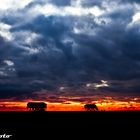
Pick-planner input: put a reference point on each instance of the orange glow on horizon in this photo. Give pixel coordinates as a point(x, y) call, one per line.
point(107, 104)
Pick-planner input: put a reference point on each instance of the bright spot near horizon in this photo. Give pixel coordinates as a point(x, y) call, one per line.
point(62, 88)
point(97, 85)
point(136, 17)
point(9, 62)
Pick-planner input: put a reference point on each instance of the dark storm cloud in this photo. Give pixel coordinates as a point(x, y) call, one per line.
point(90, 3)
point(54, 2)
point(132, 1)
point(100, 3)
point(48, 53)
point(54, 57)
point(61, 2)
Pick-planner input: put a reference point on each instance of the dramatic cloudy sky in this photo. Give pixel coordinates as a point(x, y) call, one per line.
point(72, 47)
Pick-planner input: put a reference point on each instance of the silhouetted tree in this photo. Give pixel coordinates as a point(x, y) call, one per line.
point(36, 106)
point(91, 107)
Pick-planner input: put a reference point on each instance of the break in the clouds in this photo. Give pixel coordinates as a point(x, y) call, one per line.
point(85, 46)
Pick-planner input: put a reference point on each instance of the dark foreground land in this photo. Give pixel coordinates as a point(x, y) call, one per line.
point(66, 125)
point(40, 115)
point(65, 112)
point(34, 114)
point(69, 117)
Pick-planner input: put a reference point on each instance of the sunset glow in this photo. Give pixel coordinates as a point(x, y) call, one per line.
point(107, 104)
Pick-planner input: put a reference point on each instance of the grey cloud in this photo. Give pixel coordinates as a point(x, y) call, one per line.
point(61, 2)
point(90, 3)
point(100, 51)
point(132, 1)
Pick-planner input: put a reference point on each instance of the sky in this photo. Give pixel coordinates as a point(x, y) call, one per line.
point(69, 50)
